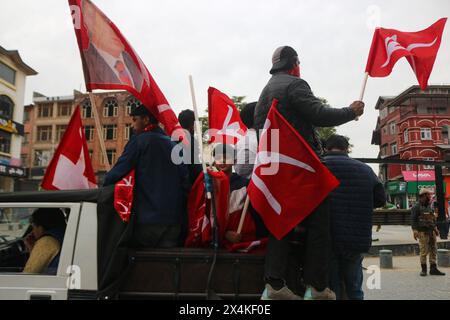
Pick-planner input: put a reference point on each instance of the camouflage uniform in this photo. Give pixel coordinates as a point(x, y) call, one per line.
point(423, 220)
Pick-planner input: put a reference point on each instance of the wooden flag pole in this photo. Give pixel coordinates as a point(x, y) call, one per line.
point(198, 130)
point(99, 132)
point(363, 89)
point(243, 215)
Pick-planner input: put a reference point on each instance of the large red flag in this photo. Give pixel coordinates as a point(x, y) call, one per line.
point(71, 167)
point(419, 48)
point(110, 63)
point(225, 122)
point(288, 181)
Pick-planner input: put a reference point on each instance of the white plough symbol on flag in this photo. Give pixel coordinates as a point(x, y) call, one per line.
point(392, 45)
point(230, 129)
point(266, 157)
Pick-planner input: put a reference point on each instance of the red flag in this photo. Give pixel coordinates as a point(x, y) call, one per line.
point(419, 48)
point(199, 209)
point(123, 196)
point(286, 194)
point(110, 63)
point(225, 122)
point(71, 167)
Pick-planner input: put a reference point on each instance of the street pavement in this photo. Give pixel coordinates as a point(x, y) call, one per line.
point(404, 282)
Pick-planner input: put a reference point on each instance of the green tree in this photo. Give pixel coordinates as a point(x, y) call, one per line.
point(239, 102)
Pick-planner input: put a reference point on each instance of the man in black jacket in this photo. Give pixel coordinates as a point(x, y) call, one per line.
point(305, 112)
point(351, 208)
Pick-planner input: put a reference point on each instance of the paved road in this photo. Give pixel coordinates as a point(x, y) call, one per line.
point(404, 283)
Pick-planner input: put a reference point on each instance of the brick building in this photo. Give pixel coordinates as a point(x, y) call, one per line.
point(46, 121)
point(412, 126)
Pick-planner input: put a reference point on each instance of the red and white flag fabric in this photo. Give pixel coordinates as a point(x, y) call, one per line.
point(71, 167)
point(110, 63)
point(124, 196)
point(225, 124)
point(288, 181)
point(199, 209)
point(419, 48)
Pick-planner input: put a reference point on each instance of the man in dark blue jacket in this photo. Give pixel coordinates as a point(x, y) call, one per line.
point(161, 186)
point(351, 208)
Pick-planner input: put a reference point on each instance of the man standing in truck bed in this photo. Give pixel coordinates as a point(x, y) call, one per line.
point(161, 186)
point(304, 112)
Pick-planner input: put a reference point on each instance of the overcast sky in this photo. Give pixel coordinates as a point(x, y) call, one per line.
point(228, 44)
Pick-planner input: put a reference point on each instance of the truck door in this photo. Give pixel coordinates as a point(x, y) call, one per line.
point(14, 226)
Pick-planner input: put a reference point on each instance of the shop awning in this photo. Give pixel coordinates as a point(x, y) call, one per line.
point(411, 176)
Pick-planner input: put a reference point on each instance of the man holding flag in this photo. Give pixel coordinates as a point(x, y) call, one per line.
point(304, 112)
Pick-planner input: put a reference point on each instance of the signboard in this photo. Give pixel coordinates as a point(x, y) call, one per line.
point(10, 171)
point(414, 187)
point(396, 187)
point(11, 126)
point(419, 175)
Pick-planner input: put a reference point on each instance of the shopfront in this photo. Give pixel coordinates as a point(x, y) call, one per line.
point(396, 191)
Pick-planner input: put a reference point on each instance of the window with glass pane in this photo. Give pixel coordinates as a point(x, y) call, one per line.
point(60, 130)
point(406, 136)
point(44, 133)
point(132, 104)
point(45, 111)
point(111, 108)
point(394, 149)
point(89, 132)
point(128, 131)
point(65, 110)
point(110, 132)
point(6, 107)
point(15, 227)
point(8, 74)
point(5, 142)
point(111, 154)
point(86, 109)
point(425, 134)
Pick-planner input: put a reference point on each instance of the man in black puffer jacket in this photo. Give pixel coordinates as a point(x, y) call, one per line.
point(304, 112)
point(351, 208)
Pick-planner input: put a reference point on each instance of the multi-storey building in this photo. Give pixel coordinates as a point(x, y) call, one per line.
point(47, 120)
point(13, 74)
point(414, 125)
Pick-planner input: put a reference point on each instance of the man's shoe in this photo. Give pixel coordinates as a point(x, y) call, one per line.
point(435, 272)
point(283, 294)
point(313, 294)
point(424, 270)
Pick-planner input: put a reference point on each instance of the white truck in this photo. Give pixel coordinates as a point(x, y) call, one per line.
point(97, 262)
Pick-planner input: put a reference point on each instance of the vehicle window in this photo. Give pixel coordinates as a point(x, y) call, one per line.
point(31, 239)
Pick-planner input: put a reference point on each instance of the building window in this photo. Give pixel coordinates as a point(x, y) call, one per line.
point(383, 113)
point(5, 142)
point(26, 116)
point(86, 109)
point(42, 158)
point(45, 111)
point(128, 131)
point(111, 108)
point(406, 136)
point(91, 154)
point(110, 132)
point(392, 128)
point(425, 134)
point(8, 74)
point(384, 150)
point(132, 104)
point(111, 154)
point(428, 167)
point(65, 110)
point(394, 149)
point(26, 138)
point(44, 134)
point(444, 132)
point(385, 131)
point(60, 130)
point(89, 133)
point(6, 107)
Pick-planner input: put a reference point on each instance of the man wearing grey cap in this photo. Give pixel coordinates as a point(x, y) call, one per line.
point(305, 113)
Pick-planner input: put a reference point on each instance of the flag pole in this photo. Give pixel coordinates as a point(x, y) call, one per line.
point(243, 215)
point(98, 129)
point(198, 130)
point(363, 89)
